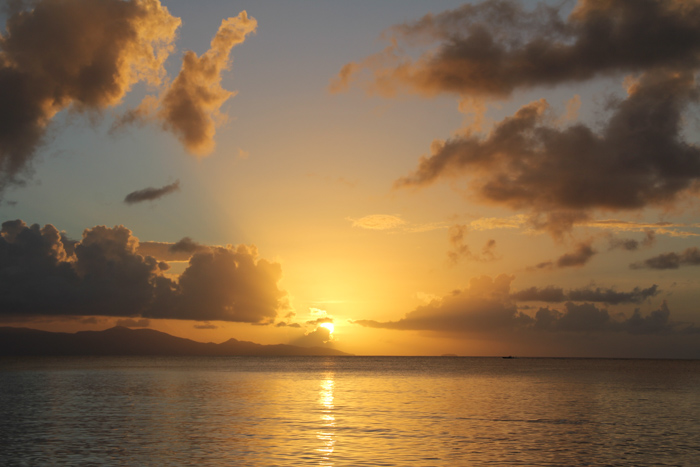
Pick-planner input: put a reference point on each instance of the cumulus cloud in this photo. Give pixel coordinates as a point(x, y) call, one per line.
point(77, 54)
point(103, 274)
point(638, 159)
point(190, 106)
point(487, 307)
point(320, 337)
point(672, 260)
point(553, 294)
point(151, 194)
point(530, 160)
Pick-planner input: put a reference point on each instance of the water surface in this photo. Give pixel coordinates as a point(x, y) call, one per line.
point(345, 411)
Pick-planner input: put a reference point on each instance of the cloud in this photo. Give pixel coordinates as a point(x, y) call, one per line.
point(631, 244)
point(525, 163)
point(553, 294)
point(497, 46)
point(484, 306)
point(316, 322)
point(134, 323)
point(659, 228)
point(320, 337)
point(103, 274)
point(487, 308)
point(688, 257)
point(151, 194)
point(582, 254)
point(460, 250)
point(378, 222)
point(530, 160)
point(182, 250)
point(77, 54)
point(291, 325)
point(206, 326)
point(577, 258)
point(190, 106)
point(393, 224)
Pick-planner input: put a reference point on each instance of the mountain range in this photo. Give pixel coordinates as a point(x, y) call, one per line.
point(120, 340)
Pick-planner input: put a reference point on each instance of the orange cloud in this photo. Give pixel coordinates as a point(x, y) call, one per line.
point(190, 106)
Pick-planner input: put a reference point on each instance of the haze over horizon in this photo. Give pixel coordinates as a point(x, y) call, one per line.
point(494, 177)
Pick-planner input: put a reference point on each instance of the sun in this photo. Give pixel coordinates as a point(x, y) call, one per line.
point(328, 326)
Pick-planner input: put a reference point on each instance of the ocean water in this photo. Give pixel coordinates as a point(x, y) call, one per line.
point(348, 411)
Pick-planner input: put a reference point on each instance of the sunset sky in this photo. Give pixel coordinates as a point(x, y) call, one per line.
point(431, 177)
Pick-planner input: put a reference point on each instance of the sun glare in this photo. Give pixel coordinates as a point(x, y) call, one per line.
point(328, 326)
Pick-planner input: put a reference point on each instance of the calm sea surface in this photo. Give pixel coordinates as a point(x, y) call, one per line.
point(348, 411)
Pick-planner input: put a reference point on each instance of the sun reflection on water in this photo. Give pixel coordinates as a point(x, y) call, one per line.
point(326, 435)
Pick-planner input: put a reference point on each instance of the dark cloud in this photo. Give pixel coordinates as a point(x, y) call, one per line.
point(497, 46)
point(78, 54)
point(582, 254)
point(577, 258)
point(185, 245)
point(134, 323)
point(553, 294)
point(206, 326)
point(460, 250)
point(103, 274)
point(487, 308)
point(688, 257)
point(530, 160)
point(588, 318)
point(282, 324)
point(484, 306)
point(151, 194)
point(631, 244)
point(182, 250)
point(638, 159)
point(550, 294)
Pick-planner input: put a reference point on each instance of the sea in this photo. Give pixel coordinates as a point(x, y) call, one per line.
point(348, 411)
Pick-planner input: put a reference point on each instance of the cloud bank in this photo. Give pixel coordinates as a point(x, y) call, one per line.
point(488, 308)
point(42, 273)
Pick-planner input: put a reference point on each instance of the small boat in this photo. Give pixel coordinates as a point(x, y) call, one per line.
point(509, 356)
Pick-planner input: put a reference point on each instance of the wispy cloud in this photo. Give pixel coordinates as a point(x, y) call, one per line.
point(394, 223)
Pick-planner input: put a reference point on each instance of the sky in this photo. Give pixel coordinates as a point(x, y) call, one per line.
point(387, 178)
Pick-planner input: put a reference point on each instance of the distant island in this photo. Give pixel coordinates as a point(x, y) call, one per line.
point(120, 340)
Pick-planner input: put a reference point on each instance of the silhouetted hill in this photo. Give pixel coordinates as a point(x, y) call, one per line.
point(124, 341)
